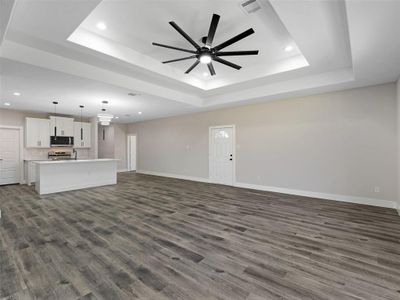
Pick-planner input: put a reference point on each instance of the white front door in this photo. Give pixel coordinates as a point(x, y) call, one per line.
point(9, 156)
point(132, 153)
point(222, 155)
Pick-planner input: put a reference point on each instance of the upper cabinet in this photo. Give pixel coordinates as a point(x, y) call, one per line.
point(63, 125)
point(37, 133)
point(82, 134)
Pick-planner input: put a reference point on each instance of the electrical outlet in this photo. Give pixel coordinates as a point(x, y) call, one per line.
point(377, 189)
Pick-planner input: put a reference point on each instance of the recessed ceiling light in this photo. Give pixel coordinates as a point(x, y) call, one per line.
point(7, 103)
point(288, 48)
point(117, 117)
point(101, 26)
point(205, 74)
point(17, 94)
point(139, 112)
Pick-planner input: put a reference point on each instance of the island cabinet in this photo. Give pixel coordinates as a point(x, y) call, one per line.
point(82, 133)
point(74, 174)
point(63, 125)
point(37, 133)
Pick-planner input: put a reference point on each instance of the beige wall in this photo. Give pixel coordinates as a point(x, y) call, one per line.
point(120, 140)
point(341, 143)
point(106, 141)
point(398, 139)
point(114, 144)
point(11, 117)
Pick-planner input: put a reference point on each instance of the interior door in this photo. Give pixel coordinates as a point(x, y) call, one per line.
point(132, 153)
point(9, 156)
point(221, 155)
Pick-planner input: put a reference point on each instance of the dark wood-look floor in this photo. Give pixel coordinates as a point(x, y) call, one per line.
point(157, 238)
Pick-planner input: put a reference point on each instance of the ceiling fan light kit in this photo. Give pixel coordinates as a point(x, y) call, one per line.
point(207, 54)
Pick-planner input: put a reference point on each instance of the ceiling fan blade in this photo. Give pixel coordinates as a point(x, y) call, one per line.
point(237, 53)
point(174, 48)
point(192, 67)
point(234, 39)
point(211, 69)
point(179, 59)
point(184, 34)
point(212, 30)
point(228, 63)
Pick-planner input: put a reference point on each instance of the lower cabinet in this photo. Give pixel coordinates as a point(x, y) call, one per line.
point(30, 172)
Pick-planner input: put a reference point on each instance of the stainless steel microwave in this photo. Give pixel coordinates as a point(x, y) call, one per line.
point(61, 141)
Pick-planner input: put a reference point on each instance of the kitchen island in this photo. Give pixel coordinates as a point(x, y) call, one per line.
point(66, 175)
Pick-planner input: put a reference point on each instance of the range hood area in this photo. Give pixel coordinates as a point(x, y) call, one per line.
point(61, 141)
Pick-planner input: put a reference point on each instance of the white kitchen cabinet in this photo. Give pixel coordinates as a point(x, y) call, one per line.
point(37, 133)
point(65, 126)
point(83, 141)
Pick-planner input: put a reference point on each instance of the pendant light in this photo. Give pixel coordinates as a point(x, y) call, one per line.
point(81, 107)
point(104, 119)
point(55, 119)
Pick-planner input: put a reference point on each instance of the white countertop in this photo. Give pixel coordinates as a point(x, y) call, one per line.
point(73, 161)
point(39, 159)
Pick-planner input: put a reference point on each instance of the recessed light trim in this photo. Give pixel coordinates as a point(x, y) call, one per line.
point(101, 26)
point(17, 94)
point(7, 103)
point(288, 48)
point(139, 112)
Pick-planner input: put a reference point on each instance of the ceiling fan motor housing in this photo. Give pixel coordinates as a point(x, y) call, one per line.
point(206, 54)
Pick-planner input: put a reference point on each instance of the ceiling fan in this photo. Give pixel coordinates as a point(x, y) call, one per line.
point(206, 54)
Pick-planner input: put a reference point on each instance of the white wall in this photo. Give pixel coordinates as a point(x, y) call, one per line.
point(341, 143)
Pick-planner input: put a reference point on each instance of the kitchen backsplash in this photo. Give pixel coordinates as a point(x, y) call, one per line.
point(34, 153)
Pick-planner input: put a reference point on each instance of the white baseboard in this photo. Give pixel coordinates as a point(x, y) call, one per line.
point(325, 196)
point(184, 177)
point(122, 170)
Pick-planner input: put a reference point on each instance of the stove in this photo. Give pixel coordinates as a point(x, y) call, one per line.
point(60, 155)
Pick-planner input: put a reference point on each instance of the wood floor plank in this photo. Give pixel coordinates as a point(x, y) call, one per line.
point(152, 237)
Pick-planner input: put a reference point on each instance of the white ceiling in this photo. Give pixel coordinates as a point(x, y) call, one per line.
point(40, 87)
point(338, 44)
point(138, 25)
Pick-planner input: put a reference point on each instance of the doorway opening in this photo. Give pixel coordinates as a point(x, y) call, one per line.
point(132, 153)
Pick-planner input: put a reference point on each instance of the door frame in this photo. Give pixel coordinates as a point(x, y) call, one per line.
point(128, 151)
point(210, 128)
point(21, 149)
